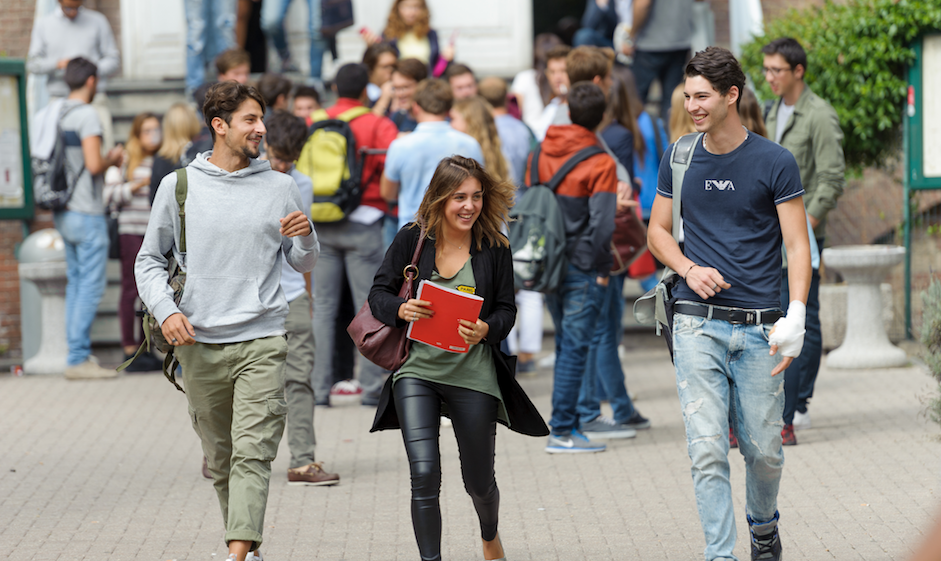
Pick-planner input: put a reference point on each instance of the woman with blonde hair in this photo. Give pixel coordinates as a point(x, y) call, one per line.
point(680, 121)
point(408, 30)
point(127, 195)
point(461, 217)
point(473, 116)
point(183, 138)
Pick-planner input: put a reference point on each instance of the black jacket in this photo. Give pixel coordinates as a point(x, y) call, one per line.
point(493, 275)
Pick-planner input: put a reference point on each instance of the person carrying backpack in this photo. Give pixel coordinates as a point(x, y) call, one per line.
point(235, 222)
point(81, 219)
point(586, 199)
point(352, 240)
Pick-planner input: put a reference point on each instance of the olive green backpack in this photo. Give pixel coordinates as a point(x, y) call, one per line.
point(176, 278)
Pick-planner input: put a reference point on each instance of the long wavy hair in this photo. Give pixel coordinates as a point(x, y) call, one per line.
point(180, 126)
point(480, 125)
point(750, 112)
point(494, 214)
point(620, 108)
point(135, 149)
point(396, 27)
point(541, 46)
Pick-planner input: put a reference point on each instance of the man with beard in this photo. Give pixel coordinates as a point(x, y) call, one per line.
point(241, 219)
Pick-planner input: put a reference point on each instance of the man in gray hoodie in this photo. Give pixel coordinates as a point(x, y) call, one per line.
point(242, 219)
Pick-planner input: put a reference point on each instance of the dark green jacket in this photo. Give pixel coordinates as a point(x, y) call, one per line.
point(814, 136)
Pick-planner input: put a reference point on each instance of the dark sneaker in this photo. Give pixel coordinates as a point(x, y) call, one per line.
point(313, 475)
point(602, 427)
point(733, 442)
point(146, 362)
point(767, 546)
point(206, 473)
point(637, 421)
point(572, 443)
point(787, 436)
point(526, 366)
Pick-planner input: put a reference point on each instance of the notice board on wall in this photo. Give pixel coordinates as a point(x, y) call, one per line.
point(16, 194)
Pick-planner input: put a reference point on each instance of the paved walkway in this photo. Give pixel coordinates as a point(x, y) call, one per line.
point(110, 470)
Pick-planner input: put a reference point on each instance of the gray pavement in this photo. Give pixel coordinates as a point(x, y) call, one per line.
point(110, 470)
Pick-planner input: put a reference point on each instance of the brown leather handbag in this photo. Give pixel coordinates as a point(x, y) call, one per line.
point(628, 242)
point(381, 344)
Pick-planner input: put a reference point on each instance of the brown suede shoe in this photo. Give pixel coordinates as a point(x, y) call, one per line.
point(312, 474)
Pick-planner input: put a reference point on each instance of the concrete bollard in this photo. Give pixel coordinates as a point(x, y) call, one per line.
point(42, 271)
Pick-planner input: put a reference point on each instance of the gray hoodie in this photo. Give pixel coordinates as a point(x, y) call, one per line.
point(234, 251)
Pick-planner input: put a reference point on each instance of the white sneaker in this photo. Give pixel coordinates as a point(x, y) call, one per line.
point(801, 420)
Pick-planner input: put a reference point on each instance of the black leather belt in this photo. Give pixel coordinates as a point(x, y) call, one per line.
point(731, 315)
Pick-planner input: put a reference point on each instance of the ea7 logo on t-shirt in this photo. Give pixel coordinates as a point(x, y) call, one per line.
point(720, 184)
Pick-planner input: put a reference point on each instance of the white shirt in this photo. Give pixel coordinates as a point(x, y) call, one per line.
point(784, 115)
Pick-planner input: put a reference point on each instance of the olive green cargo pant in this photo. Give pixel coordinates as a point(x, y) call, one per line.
point(236, 402)
point(298, 388)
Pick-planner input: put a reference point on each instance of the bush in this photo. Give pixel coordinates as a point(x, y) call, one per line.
point(931, 339)
point(857, 59)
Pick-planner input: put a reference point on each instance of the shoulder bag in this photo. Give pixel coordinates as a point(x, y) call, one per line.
point(382, 344)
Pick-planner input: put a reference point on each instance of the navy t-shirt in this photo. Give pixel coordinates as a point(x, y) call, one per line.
point(730, 221)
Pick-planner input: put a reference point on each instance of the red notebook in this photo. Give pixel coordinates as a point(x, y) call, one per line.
point(449, 306)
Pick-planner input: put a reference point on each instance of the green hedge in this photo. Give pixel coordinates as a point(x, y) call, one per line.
point(857, 56)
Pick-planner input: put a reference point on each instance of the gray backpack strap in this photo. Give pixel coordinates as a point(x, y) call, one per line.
point(680, 159)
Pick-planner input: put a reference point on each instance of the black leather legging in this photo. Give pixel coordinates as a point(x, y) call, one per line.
point(474, 419)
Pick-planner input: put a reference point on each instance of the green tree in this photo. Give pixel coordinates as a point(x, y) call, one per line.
point(857, 57)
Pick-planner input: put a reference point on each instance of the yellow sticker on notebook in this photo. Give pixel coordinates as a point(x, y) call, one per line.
point(467, 289)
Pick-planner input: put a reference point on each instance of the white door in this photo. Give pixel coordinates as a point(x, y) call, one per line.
point(153, 39)
point(494, 37)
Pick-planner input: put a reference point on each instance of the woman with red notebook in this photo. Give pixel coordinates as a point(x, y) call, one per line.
point(464, 212)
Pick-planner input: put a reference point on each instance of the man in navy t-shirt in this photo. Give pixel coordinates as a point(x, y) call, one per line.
point(741, 199)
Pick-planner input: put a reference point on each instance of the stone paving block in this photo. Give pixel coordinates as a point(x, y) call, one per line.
point(110, 470)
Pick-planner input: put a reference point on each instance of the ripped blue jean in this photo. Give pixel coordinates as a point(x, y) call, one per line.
point(723, 367)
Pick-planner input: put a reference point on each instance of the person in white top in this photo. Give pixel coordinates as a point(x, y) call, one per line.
point(530, 86)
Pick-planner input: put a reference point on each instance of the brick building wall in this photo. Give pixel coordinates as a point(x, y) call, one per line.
point(16, 24)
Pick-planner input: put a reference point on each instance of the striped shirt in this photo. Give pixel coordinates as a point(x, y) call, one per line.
point(133, 207)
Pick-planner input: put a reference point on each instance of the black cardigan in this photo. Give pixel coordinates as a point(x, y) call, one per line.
point(493, 275)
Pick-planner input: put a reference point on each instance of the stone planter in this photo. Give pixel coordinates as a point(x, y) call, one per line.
point(866, 344)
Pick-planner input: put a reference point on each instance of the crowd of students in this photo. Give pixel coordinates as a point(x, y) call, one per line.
point(437, 144)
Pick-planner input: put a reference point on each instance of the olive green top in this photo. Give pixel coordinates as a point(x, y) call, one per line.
point(473, 370)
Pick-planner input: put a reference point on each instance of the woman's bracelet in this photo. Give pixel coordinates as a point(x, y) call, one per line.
point(690, 269)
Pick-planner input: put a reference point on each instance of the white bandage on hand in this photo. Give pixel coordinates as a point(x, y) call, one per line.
point(789, 331)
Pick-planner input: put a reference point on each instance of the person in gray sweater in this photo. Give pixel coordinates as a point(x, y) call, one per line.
point(242, 218)
point(71, 31)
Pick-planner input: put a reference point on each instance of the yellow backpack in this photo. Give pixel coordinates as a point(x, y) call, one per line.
point(331, 161)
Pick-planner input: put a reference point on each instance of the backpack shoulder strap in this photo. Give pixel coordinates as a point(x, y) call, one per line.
point(181, 190)
point(573, 161)
point(319, 115)
point(534, 167)
point(680, 159)
point(352, 113)
point(766, 110)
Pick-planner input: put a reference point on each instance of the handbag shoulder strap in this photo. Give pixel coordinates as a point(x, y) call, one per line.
point(414, 263)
